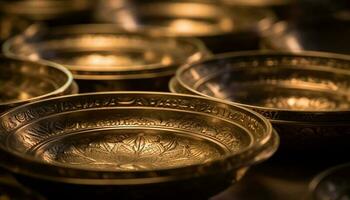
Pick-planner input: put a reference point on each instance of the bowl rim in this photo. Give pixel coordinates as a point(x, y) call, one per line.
point(315, 54)
point(317, 180)
point(152, 70)
point(47, 64)
point(265, 148)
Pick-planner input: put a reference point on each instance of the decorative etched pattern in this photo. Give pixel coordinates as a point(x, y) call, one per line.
point(225, 134)
point(133, 151)
point(21, 117)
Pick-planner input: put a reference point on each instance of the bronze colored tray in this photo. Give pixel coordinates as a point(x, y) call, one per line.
point(222, 28)
point(133, 144)
point(306, 95)
point(25, 81)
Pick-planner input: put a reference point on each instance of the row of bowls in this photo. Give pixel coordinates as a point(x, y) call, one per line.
point(122, 145)
point(225, 26)
point(305, 94)
point(108, 142)
point(142, 144)
point(126, 145)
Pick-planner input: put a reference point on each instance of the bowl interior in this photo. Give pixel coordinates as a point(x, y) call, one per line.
point(271, 85)
point(22, 80)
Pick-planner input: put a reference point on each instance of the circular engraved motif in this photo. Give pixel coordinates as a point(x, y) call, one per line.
point(129, 150)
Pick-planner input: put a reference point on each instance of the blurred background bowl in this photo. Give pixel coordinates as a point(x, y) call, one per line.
point(50, 11)
point(332, 184)
point(222, 28)
point(305, 95)
point(330, 35)
point(24, 81)
point(133, 144)
point(104, 57)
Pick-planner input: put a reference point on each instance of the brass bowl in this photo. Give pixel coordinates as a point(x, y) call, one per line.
point(325, 35)
point(306, 96)
point(45, 10)
point(332, 184)
point(25, 81)
point(133, 144)
point(105, 57)
point(220, 27)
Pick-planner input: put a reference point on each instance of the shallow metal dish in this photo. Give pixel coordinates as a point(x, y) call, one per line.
point(100, 55)
point(332, 184)
point(329, 36)
point(25, 81)
point(306, 96)
point(222, 28)
point(134, 144)
point(46, 9)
